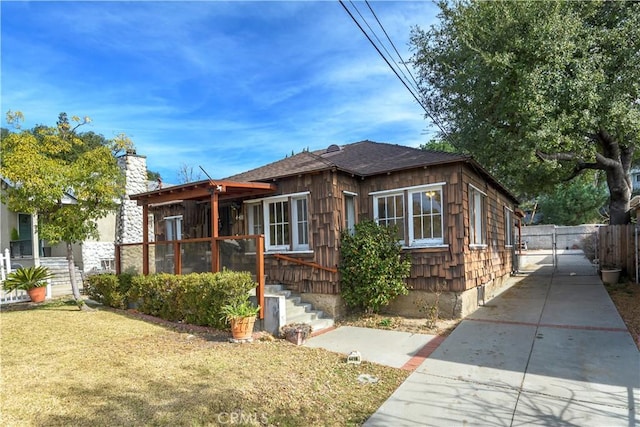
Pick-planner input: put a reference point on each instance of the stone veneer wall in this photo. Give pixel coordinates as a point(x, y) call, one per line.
point(94, 252)
point(129, 218)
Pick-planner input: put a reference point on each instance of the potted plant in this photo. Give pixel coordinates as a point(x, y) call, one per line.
point(296, 333)
point(31, 279)
point(610, 274)
point(242, 317)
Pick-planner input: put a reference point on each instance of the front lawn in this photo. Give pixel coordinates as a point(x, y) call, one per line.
point(61, 366)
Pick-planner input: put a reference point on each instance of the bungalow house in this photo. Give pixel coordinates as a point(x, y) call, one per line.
point(456, 222)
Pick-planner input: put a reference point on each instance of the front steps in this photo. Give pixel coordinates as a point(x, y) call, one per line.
point(60, 269)
point(299, 312)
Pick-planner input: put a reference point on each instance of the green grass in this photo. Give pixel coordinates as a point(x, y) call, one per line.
point(62, 366)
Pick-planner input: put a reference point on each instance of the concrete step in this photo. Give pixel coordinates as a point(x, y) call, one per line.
point(298, 311)
point(318, 325)
point(60, 270)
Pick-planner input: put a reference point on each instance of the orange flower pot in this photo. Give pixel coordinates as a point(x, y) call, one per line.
point(37, 294)
point(242, 327)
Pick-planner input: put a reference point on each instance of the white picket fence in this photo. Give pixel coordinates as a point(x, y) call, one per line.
point(14, 296)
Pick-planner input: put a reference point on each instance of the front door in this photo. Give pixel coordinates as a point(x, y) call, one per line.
point(24, 229)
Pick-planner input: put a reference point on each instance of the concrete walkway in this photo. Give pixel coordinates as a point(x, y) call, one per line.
point(402, 350)
point(552, 350)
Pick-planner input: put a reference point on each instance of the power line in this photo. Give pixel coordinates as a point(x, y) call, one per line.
point(402, 61)
point(405, 84)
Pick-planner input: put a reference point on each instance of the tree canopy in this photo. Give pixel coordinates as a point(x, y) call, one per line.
point(575, 202)
point(538, 92)
point(48, 165)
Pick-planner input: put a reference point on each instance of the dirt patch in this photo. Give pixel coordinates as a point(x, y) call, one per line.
point(442, 327)
point(626, 297)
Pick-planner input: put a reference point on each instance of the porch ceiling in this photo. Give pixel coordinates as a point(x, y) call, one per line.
point(203, 190)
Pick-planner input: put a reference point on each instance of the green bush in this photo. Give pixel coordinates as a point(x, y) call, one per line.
point(195, 298)
point(109, 289)
point(372, 267)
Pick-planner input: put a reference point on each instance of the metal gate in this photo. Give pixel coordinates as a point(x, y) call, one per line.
point(562, 250)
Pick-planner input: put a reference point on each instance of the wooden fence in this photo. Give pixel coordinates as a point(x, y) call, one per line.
point(617, 247)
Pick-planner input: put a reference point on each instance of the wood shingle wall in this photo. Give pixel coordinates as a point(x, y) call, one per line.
point(455, 266)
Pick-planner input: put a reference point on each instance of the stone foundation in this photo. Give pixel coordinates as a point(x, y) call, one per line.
point(332, 305)
point(452, 305)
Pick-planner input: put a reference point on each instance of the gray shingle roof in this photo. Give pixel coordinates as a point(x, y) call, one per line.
point(363, 158)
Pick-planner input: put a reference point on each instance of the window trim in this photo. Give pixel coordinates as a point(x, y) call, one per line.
point(295, 222)
point(177, 220)
point(292, 245)
point(409, 241)
point(508, 223)
point(472, 225)
point(428, 242)
point(348, 195)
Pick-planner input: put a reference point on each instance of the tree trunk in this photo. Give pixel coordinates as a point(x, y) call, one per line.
point(72, 277)
point(72, 272)
point(619, 206)
point(619, 183)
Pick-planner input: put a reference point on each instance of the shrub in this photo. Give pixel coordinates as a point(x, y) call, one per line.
point(195, 298)
point(372, 267)
point(109, 289)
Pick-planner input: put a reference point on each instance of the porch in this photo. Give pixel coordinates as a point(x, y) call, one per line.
point(190, 229)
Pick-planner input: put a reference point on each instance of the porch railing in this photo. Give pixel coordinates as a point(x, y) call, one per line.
point(236, 253)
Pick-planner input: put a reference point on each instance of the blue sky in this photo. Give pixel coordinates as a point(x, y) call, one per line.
point(228, 86)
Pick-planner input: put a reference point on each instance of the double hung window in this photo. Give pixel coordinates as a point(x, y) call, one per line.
point(284, 220)
point(508, 227)
point(477, 233)
point(416, 211)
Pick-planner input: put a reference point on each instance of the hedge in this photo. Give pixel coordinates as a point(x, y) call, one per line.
point(195, 298)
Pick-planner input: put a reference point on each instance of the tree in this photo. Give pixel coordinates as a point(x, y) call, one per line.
point(538, 92)
point(187, 173)
point(576, 202)
point(46, 164)
point(153, 176)
point(439, 145)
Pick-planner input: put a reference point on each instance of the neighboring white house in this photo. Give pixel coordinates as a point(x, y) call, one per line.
point(93, 253)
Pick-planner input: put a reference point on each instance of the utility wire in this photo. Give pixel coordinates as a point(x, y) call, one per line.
point(404, 77)
point(402, 61)
point(418, 100)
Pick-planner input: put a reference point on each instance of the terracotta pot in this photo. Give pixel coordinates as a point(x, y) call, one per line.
point(242, 327)
point(37, 294)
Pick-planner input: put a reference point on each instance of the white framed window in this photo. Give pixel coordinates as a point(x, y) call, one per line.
point(508, 227)
point(477, 234)
point(284, 221)
point(425, 226)
point(350, 212)
point(389, 211)
point(173, 227)
point(422, 225)
point(255, 218)
point(300, 221)
point(277, 218)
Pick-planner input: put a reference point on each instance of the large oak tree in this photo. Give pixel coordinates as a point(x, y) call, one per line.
point(537, 91)
point(46, 165)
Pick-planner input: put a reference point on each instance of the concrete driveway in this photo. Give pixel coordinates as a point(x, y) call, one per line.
point(552, 350)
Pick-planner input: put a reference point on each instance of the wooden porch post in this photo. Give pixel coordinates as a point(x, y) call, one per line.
point(215, 260)
point(260, 273)
point(145, 239)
